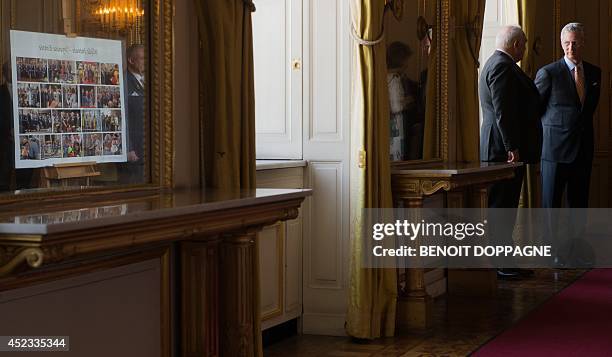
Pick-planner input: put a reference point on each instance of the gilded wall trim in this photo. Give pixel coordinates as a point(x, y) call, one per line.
point(168, 133)
point(444, 116)
point(155, 85)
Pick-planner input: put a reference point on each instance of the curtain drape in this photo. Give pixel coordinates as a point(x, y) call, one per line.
point(527, 20)
point(227, 93)
point(227, 106)
point(372, 292)
point(469, 16)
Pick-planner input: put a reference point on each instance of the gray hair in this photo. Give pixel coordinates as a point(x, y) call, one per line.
point(574, 27)
point(508, 35)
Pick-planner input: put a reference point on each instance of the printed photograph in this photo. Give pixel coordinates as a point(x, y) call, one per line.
point(29, 146)
point(66, 121)
point(51, 95)
point(92, 120)
point(62, 71)
point(88, 96)
point(112, 144)
point(71, 144)
point(32, 70)
point(88, 72)
point(109, 97)
point(70, 96)
point(109, 74)
point(28, 95)
point(34, 121)
point(111, 120)
point(93, 144)
point(51, 146)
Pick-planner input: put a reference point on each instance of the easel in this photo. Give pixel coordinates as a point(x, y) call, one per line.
point(65, 172)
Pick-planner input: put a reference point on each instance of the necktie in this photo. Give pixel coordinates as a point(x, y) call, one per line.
point(579, 83)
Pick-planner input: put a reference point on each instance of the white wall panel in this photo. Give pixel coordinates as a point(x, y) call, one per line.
point(277, 42)
point(325, 212)
point(327, 44)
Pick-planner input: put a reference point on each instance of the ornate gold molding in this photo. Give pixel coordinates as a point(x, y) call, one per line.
point(444, 116)
point(168, 107)
point(12, 257)
point(429, 187)
point(155, 88)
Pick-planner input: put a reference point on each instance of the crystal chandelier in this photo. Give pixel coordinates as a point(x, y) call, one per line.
point(121, 16)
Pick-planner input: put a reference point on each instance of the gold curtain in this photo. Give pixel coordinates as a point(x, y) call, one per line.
point(527, 19)
point(372, 292)
point(227, 99)
point(468, 15)
point(227, 106)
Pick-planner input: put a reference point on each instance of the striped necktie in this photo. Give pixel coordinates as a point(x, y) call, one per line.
point(579, 78)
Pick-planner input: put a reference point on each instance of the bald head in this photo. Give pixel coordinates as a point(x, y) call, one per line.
point(512, 40)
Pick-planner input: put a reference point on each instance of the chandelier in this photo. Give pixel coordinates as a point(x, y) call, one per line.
point(122, 16)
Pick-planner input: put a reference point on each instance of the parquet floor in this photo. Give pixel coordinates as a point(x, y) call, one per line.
point(461, 324)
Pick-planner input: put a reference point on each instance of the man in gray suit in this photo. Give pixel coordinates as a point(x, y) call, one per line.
point(510, 130)
point(569, 89)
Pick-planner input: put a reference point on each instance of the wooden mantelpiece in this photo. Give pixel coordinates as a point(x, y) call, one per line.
point(464, 185)
point(214, 277)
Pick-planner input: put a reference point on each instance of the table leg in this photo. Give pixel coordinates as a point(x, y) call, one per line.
point(415, 306)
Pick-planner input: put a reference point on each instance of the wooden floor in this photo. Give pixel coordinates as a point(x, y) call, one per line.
point(461, 324)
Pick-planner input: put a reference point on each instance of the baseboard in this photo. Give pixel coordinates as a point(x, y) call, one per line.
point(323, 324)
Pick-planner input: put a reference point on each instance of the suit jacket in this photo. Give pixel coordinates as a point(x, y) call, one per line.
point(135, 116)
point(568, 125)
point(510, 111)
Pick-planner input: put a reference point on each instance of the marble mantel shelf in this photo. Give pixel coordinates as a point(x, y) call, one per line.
point(163, 206)
point(451, 169)
point(56, 235)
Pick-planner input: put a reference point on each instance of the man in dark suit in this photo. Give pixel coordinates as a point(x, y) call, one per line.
point(133, 172)
point(569, 89)
point(510, 130)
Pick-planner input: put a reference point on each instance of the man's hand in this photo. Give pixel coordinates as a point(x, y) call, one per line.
point(132, 157)
point(513, 156)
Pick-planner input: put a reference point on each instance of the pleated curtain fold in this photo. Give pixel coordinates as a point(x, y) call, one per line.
point(527, 20)
point(372, 292)
point(227, 98)
point(465, 45)
point(227, 107)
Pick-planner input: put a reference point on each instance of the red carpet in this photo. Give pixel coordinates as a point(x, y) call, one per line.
point(575, 322)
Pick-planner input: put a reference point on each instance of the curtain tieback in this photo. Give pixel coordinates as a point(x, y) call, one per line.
point(364, 42)
point(249, 4)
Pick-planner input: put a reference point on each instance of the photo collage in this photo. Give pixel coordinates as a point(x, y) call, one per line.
point(68, 109)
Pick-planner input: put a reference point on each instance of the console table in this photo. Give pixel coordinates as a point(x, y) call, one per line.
point(464, 185)
point(167, 274)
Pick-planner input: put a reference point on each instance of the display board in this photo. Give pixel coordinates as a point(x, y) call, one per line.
point(68, 99)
